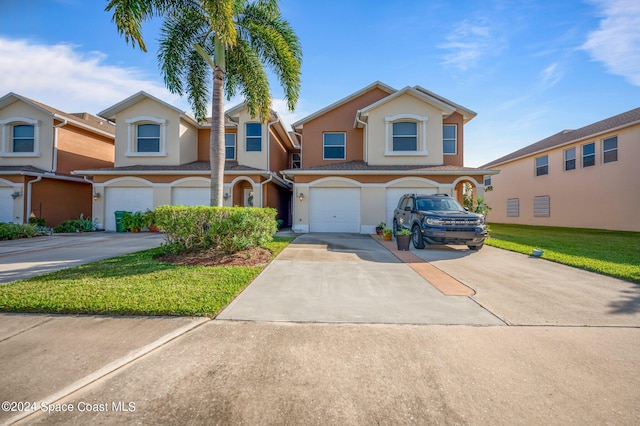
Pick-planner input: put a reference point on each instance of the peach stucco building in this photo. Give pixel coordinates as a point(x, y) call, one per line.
point(584, 178)
point(40, 147)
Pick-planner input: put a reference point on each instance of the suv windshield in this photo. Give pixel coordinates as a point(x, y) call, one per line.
point(444, 204)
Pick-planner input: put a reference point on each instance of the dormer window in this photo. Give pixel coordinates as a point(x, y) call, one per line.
point(20, 137)
point(147, 136)
point(406, 135)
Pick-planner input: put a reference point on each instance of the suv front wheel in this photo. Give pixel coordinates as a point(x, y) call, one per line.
point(416, 236)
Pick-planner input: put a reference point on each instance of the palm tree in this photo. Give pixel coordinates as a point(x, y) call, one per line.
point(238, 39)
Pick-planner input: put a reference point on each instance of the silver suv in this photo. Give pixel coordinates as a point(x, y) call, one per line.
point(439, 219)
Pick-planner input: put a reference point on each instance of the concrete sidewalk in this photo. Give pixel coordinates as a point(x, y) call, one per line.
point(28, 257)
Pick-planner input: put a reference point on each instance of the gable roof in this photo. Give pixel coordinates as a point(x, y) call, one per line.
point(466, 113)
point(110, 113)
point(569, 136)
point(447, 109)
point(375, 85)
point(84, 120)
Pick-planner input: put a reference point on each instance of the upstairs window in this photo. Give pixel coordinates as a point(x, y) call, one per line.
point(487, 181)
point(19, 137)
point(23, 138)
point(542, 166)
point(610, 150)
point(589, 154)
point(405, 136)
point(148, 138)
point(570, 159)
point(334, 146)
point(449, 139)
point(254, 137)
point(230, 146)
point(296, 160)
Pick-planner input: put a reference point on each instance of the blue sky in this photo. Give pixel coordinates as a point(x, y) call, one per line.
point(528, 68)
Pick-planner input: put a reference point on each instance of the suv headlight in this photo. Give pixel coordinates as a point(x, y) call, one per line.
point(481, 220)
point(434, 221)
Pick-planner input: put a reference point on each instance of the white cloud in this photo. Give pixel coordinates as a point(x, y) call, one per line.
point(468, 44)
point(550, 75)
point(62, 77)
point(616, 42)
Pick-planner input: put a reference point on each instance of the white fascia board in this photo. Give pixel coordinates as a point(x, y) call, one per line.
point(295, 172)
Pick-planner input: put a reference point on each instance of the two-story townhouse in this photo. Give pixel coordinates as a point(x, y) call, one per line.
point(162, 158)
point(584, 178)
point(363, 152)
point(39, 147)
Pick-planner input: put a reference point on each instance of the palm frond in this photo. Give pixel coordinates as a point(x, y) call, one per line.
point(198, 82)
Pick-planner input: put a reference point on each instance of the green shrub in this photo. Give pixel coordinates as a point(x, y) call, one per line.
point(230, 229)
point(13, 231)
point(75, 225)
point(38, 221)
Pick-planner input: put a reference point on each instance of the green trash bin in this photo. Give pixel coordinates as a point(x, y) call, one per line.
point(119, 214)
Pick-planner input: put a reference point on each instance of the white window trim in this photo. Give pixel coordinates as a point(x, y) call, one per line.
point(235, 146)
point(421, 139)
point(6, 125)
point(344, 157)
point(132, 123)
point(246, 138)
point(455, 140)
point(609, 150)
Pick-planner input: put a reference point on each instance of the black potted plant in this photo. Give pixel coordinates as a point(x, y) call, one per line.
point(403, 238)
point(380, 228)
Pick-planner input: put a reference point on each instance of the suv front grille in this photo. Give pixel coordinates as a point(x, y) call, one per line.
point(450, 222)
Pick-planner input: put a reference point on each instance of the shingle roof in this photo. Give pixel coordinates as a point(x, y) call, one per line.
point(196, 166)
point(20, 169)
point(566, 136)
point(362, 166)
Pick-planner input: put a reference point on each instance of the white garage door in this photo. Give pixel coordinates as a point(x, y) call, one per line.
point(6, 206)
point(394, 194)
point(334, 210)
point(126, 199)
point(191, 196)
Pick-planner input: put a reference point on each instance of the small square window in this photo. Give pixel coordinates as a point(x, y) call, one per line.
point(254, 137)
point(230, 146)
point(610, 150)
point(542, 166)
point(296, 160)
point(334, 145)
point(570, 159)
point(589, 154)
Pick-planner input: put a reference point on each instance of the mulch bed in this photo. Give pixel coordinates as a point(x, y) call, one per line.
point(212, 257)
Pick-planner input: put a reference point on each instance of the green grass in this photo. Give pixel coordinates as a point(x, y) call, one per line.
point(613, 253)
point(133, 284)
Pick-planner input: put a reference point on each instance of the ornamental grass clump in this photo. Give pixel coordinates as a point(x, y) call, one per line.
point(229, 229)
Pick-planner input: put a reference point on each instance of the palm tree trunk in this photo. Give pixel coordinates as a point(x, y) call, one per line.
point(216, 143)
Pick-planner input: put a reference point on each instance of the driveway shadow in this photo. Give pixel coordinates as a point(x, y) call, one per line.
point(629, 303)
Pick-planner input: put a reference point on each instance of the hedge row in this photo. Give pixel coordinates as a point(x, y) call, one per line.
point(230, 229)
point(13, 231)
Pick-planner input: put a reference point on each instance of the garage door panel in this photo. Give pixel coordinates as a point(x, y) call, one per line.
point(126, 199)
point(334, 210)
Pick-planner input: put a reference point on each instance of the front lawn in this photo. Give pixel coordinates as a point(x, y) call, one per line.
point(614, 253)
point(133, 284)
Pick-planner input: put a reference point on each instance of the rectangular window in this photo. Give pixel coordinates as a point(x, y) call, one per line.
point(570, 159)
point(230, 146)
point(542, 165)
point(610, 150)
point(405, 136)
point(296, 160)
point(254, 137)
point(541, 206)
point(449, 139)
point(23, 138)
point(589, 154)
point(513, 207)
point(487, 181)
point(148, 138)
point(333, 146)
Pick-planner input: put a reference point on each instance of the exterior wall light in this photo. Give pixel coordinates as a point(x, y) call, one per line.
point(300, 196)
point(96, 196)
point(226, 196)
point(16, 194)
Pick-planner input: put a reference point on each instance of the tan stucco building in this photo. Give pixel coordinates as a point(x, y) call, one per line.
point(584, 178)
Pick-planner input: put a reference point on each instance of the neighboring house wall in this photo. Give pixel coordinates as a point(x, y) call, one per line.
point(57, 200)
point(601, 196)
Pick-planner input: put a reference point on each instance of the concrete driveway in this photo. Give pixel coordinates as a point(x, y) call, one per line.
point(28, 257)
point(348, 278)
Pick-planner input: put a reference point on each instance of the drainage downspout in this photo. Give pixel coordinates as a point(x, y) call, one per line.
point(366, 137)
point(31, 182)
point(54, 159)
